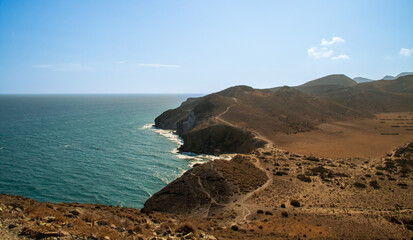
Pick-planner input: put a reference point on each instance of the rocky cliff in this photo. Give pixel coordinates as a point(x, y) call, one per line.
point(218, 139)
point(235, 119)
point(206, 188)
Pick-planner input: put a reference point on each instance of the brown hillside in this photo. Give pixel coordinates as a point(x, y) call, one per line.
point(243, 115)
point(272, 191)
point(377, 96)
point(326, 84)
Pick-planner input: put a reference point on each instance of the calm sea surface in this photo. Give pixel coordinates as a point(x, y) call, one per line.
point(87, 148)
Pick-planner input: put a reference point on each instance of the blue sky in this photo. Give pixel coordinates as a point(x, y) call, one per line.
point(197, 46)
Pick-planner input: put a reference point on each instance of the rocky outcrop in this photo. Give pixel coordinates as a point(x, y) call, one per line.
point(196, 122)
point(192, 113)
point(178, 119)
point(193, 193)
point(206, 188)
point(220, 139)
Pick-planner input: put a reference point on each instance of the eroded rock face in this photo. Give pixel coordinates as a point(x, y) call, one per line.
point(189, 114)
point(206, 188)
point(220, 139)
point(197, 122)
point(194, 191)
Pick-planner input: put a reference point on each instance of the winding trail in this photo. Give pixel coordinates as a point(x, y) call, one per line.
point(226, 110)
point(212, 200)
point(241, 201)
point(203, 190)
point(257, 134)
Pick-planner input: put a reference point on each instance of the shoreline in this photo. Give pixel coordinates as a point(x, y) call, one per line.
point(336, 203)
point(194, 158)
point(191, 159)
point(245, 196)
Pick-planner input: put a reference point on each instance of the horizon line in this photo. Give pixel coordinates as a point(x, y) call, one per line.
point(97, 93)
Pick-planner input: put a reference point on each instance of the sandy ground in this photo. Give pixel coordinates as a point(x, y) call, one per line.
point(363, 138)
point(340, 199)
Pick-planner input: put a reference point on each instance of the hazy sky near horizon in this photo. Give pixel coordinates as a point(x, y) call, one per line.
point(85, 46)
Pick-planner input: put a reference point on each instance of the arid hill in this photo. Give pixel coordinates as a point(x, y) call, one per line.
point(288, 195)
point(249, 117)
point(377, 96)
point(327, 83)
point(269, 194)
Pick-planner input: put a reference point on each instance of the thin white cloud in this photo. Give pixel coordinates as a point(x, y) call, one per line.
point(120, 62)
point(43, 66)
point(340, 57)
point(324, 50)
point(71, 67)
point(334, 40)
point(67, 67)
point(319, 53)
point(158, 65)
point(406, 52)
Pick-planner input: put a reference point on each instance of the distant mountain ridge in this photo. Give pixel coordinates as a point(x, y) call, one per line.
point(326, 83)
point(362, 79)
point(387, 77)
point(334, 79)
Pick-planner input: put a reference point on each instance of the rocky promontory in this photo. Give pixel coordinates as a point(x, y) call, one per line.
point(240, 119)
point(206, 189)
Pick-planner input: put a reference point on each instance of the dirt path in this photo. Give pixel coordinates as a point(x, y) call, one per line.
point(226, 110)
point(257, 134)
point(212, 200)
point(246, 208)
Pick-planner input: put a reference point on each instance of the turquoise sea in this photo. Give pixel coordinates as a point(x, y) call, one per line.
point(88, 148)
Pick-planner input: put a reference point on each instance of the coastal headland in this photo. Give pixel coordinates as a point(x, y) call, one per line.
point(330, 159)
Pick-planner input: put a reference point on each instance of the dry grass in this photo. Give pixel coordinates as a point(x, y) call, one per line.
point(239, 167)
point(354, 138)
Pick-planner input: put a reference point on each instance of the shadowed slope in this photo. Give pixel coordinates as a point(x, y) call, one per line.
point(207, 188)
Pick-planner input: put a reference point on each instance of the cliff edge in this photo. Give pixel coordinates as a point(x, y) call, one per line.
point(240, 119)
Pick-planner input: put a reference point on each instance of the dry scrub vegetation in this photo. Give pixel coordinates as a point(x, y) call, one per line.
point(294, 196)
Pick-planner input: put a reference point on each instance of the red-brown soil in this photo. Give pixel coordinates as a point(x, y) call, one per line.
point(365, 138)
point(302, 197)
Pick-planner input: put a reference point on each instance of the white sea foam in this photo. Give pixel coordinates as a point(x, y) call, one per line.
point(181, 172)
point(160, 177)
point(174, 151)
point(148, 126)
point(193, 162)
point(192, 158)
point(145, 190)
point(183, 156)
point(170, 135)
